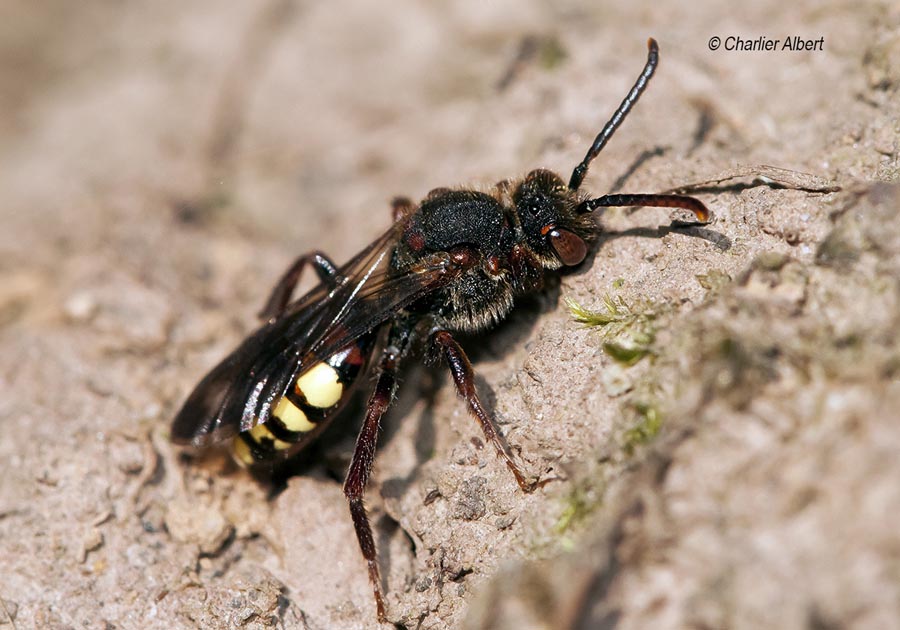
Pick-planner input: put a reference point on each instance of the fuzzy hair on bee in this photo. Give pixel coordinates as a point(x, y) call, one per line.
point(454, 262)
point(520, 230)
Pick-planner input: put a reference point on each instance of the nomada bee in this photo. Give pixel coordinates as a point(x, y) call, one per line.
point(454, 262)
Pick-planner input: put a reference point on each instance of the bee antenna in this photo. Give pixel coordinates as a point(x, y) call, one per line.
point(613, 123)
point(657, 201)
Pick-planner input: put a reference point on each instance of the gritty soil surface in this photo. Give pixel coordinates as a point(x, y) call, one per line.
point(721, 427)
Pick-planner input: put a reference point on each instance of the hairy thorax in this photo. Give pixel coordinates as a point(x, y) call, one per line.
point(484, 223)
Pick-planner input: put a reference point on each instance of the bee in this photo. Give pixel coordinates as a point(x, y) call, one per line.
point(452, 263)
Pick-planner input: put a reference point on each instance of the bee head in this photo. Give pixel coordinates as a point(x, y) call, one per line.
point(548, 213)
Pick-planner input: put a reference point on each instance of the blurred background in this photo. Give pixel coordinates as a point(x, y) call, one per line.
point(162, 163)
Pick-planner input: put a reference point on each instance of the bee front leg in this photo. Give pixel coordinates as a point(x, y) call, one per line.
point(464, 378)
point(281, 294)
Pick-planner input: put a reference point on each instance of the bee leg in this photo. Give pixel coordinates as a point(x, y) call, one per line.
point(402, 207)
point(281, 294)
point(361, 467)
point(464, 377)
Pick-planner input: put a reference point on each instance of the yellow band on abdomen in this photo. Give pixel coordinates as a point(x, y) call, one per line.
point(261, 432)
point(320, 386)
point(292, 416)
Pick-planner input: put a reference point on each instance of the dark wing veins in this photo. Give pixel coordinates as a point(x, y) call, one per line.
point(239, 392)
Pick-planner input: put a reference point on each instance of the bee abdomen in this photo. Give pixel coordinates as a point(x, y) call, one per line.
point(313, 400)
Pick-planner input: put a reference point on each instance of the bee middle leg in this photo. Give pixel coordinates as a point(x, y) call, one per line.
point(281, 294)
point(464, 378)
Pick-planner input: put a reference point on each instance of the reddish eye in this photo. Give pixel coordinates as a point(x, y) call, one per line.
point(570, 247)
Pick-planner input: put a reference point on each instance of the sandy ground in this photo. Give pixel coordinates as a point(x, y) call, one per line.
point(161, 164)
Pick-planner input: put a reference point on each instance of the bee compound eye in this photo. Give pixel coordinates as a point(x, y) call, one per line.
point(570, 247)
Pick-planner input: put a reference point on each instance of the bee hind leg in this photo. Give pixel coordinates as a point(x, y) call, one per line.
point(402, 207)
point(281, 294)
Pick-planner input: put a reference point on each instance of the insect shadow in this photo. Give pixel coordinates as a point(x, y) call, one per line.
point(719, 240)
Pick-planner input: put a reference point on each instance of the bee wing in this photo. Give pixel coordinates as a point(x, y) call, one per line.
point(239, 392)
point(214, 410)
